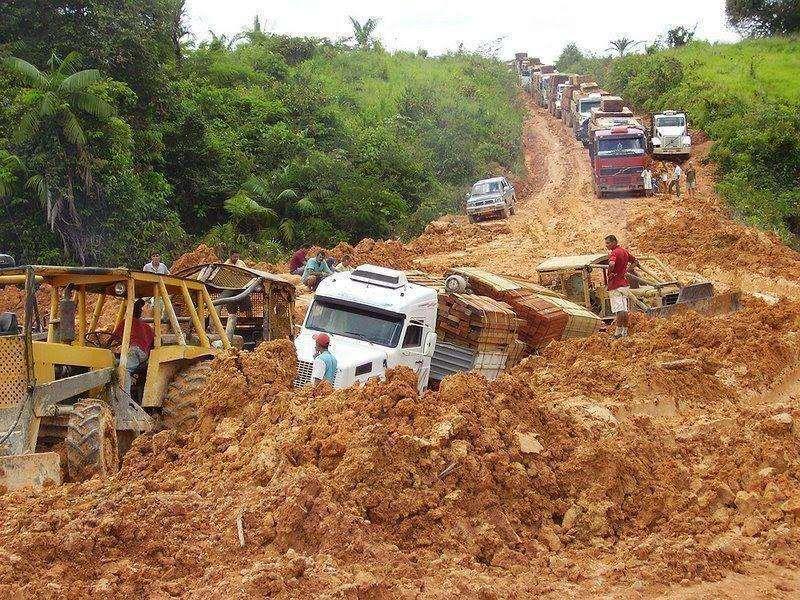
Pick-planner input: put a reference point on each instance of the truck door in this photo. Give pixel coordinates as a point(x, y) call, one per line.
point(413, 353)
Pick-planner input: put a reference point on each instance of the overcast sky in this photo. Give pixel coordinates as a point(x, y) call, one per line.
point(540, 28)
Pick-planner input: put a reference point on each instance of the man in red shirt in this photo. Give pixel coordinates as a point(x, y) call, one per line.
point(297, 261)
point(142, 337)
point(619, 261)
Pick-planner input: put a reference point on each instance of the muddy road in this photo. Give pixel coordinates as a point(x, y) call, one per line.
point(644, 480)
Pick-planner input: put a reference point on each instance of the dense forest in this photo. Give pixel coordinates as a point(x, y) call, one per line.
point(744, 96)
point(119, 134)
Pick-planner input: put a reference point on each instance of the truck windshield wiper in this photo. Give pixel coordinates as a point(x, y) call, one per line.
point(360, 336)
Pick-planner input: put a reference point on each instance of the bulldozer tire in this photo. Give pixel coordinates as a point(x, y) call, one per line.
point(91, 441)
point(179, 405)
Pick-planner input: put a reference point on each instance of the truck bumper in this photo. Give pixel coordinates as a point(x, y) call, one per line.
point(479, 211)
point(683, 150)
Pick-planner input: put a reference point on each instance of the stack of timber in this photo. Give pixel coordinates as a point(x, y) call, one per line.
point(476, 322)
point(544, 315)
point(476, 333)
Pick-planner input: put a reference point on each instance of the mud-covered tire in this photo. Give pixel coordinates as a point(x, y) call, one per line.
point(505, 213)
point(471, 219)
point(513, 210)
point(91, 441)
point(179, 405)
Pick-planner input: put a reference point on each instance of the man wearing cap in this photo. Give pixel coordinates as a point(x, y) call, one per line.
point(324, 366)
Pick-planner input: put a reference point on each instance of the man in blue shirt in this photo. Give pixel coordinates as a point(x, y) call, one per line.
point(324, 366)
point(316, 270)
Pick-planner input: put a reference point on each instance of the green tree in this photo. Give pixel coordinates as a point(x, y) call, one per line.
point(570, 58)
point(622, 45)
point(54, 108)
point(756, 18)
point(680, 36)
point(363, 33)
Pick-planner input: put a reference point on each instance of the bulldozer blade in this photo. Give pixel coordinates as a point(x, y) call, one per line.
point(695, 291)
point(707, 305)
point(30, 470)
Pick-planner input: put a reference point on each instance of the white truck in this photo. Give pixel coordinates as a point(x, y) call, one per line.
point(670, 135)
point(582, 111)
point(376, 320)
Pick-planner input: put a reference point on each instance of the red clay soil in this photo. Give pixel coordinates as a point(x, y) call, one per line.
point(200, 255)
point(516, 486)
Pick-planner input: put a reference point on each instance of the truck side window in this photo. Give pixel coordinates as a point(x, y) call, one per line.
point(413, 337)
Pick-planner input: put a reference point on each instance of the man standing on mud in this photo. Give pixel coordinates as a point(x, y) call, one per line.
point(619, 260)
point(324, 366)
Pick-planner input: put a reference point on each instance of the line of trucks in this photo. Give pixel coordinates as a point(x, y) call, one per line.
point(617, 141)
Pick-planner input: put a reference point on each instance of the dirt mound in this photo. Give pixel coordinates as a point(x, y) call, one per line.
point(200, 255)
point(377, 489)
point(700, 232)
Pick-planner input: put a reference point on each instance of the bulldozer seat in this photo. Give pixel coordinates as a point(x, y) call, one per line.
point(8, 324)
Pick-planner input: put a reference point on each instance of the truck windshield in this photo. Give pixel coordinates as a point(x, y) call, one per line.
point(588, 105)
point(355, 321)
point(616, 146)
point(670, 122)
point(485, 187)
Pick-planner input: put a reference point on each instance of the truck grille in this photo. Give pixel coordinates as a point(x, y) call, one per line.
point(672, 142)
point(303, 373)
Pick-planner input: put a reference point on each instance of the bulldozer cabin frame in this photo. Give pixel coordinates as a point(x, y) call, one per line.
point(55, 368)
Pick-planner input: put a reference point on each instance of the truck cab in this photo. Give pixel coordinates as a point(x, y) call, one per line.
point(670, 135)
point(376, 320)
point(617, 156)
point(583, 112)
point(559, 94)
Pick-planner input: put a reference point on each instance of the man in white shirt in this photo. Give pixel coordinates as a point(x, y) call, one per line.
point(155, 265)
point(647, 180)
point(675, 181)
point(234, 258)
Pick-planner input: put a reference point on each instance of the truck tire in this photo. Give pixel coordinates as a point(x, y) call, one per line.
point(179, 405)
point(505, 213)
point(513, 209)
point(470, 218)
point(91, 441)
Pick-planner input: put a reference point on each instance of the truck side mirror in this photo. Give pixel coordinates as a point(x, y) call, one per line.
point(430, 344)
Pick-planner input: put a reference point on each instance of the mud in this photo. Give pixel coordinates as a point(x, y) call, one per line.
point(663, 465)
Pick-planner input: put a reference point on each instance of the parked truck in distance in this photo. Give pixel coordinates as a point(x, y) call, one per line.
point(582, 106)
point(617, 148)
point(669, 135)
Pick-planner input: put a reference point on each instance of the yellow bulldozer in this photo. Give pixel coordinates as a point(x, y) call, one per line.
point(64, 411)
point(655, 289)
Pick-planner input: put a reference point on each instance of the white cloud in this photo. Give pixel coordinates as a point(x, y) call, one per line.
point(540, 28)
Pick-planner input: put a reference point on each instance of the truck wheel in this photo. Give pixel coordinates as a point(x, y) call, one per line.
point(505, 213)
point(513, 209)
point(91, 441)
point(179, 405)
point(470, 218)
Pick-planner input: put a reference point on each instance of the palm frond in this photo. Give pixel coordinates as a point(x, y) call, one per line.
point(89, 103)
point(28, 125)
point(256, 185)
point(72, 129)
point(287, 194)
point(26, 71)
point(49, 104)
point(305, 206)
point(81, 80)
point(287, 230)
point(241, 206)
point(71, 64)
point(38, 184)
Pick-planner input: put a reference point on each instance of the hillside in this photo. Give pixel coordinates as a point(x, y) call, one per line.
point(746, 98)
point(262, 142)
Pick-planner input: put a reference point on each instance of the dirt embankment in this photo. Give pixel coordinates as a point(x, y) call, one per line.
point(662, 465)
point(517, 486)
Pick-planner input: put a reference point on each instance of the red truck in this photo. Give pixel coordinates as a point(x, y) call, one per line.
point(617, 148)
